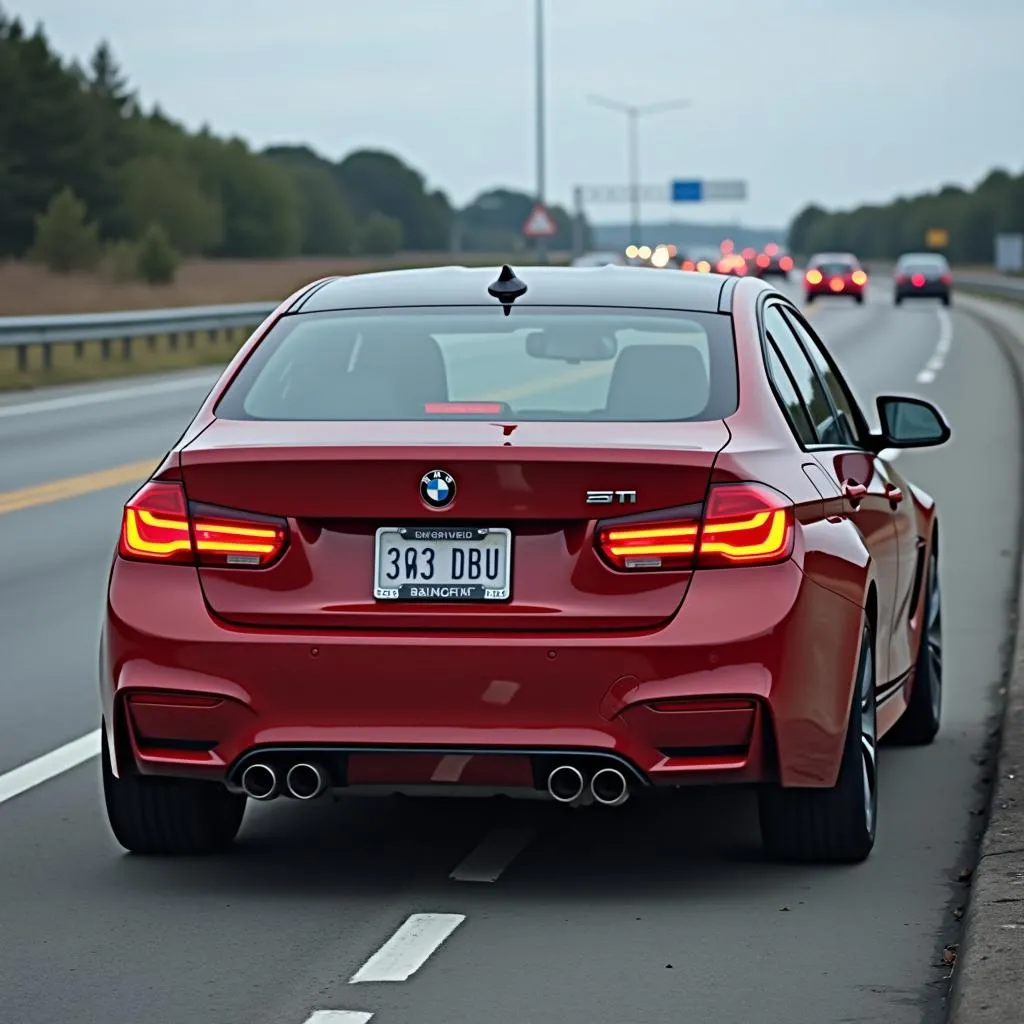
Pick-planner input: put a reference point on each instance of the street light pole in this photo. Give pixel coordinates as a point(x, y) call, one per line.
point(541, 155)
point(633, 114)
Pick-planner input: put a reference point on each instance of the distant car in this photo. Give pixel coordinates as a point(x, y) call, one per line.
point(835, 273)
point(923, 275)
point(579, 555)
point(731, 264)
point(705, 260)
point(773, 262)
point(600, 259)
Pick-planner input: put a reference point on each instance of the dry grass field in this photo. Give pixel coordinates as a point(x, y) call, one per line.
point(29, 290)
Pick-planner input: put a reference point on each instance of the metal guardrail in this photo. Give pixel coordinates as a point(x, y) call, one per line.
point(24, 332)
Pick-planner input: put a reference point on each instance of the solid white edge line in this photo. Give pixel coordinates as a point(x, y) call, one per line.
point(494, 853)
point(338, 1017)
point(109, 395)
point(409, 948)
point(942, 347)
point(49, 766)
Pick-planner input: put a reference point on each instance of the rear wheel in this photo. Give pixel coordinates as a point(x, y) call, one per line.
point(169, 816)
point(946, 299)
point(810, 298)
point(860, 300)
point(834, 825)
point(898, 299)
point(919, 724)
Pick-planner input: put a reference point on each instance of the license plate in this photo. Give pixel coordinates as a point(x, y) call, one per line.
point(442, 563)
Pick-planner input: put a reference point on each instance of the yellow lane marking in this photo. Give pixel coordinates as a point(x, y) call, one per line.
point(75, 486)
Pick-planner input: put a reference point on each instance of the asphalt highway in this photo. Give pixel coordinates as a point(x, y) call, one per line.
point(455, 912)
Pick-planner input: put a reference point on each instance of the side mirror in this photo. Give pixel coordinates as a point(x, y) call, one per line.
point(911, 423)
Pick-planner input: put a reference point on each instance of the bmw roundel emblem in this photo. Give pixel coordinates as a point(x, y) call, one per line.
point(437, 488)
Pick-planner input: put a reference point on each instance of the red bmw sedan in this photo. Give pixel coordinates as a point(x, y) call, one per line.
point(576, 536)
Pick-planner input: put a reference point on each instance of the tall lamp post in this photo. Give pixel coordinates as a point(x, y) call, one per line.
point(541, 155)
point(633, 114)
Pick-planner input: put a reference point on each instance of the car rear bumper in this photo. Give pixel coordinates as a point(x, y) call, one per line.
point(760, 663)
point(813, 291)
point(928, 291)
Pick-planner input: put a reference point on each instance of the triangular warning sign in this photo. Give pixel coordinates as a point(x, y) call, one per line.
point(540, 223)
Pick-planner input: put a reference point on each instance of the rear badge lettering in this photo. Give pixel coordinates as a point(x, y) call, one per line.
point(611, 497)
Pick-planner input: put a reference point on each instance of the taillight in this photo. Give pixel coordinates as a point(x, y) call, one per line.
point(156, 527)
point(814, 277)
point(946, 279)
point(859, 277)
point(689, 265)
point(764, 261)
point(901, 278)
point(917, 280)
point(786, 263)
point(743, 524)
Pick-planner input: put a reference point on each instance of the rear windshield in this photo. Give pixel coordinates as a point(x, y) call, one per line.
point(623, 365)
point(836, 268)
point(924, 260)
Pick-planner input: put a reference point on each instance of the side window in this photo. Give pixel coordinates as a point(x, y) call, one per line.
point(804, 376)
point(841, 399)
point(793, 406)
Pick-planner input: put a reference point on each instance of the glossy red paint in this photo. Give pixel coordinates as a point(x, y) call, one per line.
point(713, 675)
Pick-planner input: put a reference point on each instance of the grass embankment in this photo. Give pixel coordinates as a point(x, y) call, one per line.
point(31, 291)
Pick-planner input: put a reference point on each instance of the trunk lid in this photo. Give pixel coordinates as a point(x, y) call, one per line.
point(339, 483)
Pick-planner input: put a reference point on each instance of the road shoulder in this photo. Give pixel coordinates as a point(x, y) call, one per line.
point(989, 973)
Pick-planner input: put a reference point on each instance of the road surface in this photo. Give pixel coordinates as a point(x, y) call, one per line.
point(533, 914)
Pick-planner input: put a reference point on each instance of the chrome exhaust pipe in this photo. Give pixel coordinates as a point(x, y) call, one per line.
point(305, 781)
point(259, 781)
point(565, 784)
point(609, 787)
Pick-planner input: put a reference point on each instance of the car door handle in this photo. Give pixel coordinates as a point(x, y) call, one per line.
point(894, 494)
point(854, 491)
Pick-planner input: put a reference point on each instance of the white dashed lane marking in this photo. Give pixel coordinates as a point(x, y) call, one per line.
point(42, 769)
point(338, 1017)
point(494, 854)
point(409, 948)
point(942, 347)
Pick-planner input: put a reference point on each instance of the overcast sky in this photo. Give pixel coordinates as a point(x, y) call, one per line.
point(837, 103)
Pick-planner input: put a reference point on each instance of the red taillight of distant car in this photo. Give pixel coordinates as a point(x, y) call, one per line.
point(786, 263)
point(946, 279)
point(917, 280)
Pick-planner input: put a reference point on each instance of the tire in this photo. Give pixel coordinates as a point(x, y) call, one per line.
point(920, 723)
point(946, 300)
point(810, 299)
point(150, 815)
point(859, 299)
point(898, 300)
point(837, 825)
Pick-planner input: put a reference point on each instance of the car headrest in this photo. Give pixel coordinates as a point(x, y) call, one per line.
point(658, 382)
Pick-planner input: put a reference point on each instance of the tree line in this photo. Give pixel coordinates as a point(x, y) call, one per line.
point(87, 175)
point(970, 218)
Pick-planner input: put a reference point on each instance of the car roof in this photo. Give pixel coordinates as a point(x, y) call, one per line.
point(922, 257)
point(608, 286)
point(834, 257)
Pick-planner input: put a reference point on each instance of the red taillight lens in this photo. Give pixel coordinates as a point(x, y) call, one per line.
point(946, 279)
point(764, 261)
point(901, 278)
point(743, 524)
point(814, 277)
point(156, 527)
point(786, 263)
point(917, 280)
point(860, 278)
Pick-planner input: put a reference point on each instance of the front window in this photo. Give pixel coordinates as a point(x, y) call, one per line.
point(587, 364)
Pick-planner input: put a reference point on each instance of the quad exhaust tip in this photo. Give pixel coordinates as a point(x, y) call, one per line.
point(565, 784)
point(259, 781)
point(305, 781)
point(609, 787)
